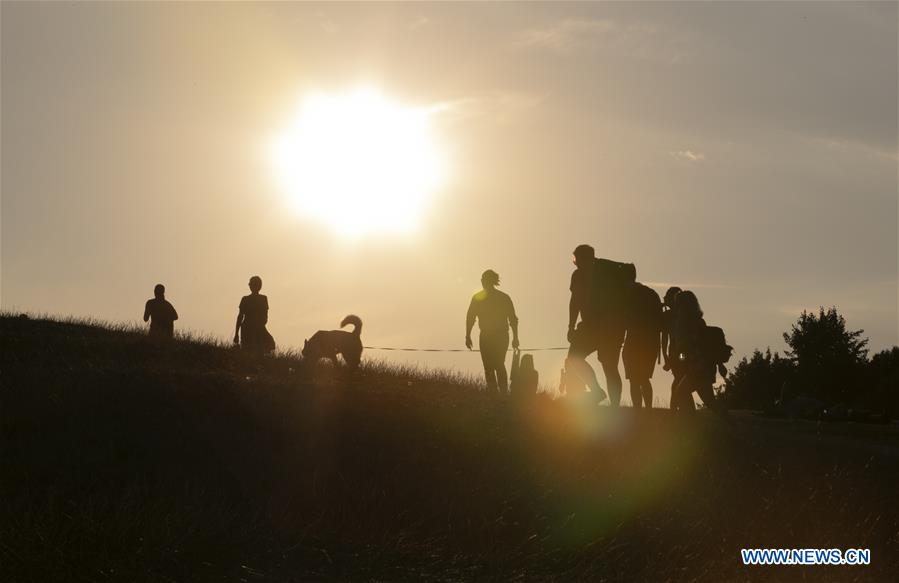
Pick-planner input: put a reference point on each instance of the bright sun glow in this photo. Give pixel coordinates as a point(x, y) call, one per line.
point(359, 163)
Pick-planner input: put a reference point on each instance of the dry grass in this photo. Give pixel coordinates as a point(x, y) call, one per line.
point(125, 459)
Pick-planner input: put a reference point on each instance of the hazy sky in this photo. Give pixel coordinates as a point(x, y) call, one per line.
point(747, 151)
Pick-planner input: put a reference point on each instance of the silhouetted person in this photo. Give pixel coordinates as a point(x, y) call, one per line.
point(643, 342)
point(494, 313)
point(598, 296)
point(524, 377)
point(252, 316)
point(690, 333)
point(670, 354)
point(161, 314)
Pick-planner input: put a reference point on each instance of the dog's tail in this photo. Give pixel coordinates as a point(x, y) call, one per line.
point(356, 321)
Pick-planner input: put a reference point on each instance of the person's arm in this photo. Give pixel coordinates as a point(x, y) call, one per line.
point(469, 322)
point(667, 330)
point(174, 313)
point(265, 315)
point(513, 322)
point(240, 316)
point(665, 355)
point(574, 310)
point(574, 306)
point(147, 312)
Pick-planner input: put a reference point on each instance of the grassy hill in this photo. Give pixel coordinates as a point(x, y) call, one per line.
point(127, 460)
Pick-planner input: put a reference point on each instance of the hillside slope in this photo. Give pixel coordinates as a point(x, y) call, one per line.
point(127, 460)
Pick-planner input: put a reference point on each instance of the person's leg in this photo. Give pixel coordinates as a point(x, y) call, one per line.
point(683, 393)
point(608, 358)
point(489, 373)
point(674, 401)
point(490, 376)
point(647, 393)
point(599, 395)
point(499, 364)
point(707, 394)
point(586, 375)
point(636, 394)
point(582, 345)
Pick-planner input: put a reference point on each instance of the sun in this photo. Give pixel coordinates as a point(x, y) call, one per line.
point(359, 162)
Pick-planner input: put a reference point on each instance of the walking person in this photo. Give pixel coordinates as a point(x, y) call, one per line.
point(252, 316)
point(161, 314)
point(670, 354)
point(495, 314)
point(643, 342)
point(701, 347)
point(598, 296)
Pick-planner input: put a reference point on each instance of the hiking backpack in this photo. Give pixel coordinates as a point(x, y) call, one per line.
point(715, 345)
point(612, 285)
point(645, 308)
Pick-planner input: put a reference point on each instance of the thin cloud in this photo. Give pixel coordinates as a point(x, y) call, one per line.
point(638, 40)
point(564, 36)
point(850, 146)
point(502, 106)
point(666, 284)
point(327, 26)
point(419, 22)
point(688, 155)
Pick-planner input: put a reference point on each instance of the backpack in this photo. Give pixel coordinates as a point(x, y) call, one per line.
point(612, 284)
point(645, 308)
point(715, 345)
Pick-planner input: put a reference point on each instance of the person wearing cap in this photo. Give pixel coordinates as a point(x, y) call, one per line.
point(495, 314)
point(161, 314)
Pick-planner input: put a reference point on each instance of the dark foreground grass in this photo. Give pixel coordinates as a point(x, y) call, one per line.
point(125, 460)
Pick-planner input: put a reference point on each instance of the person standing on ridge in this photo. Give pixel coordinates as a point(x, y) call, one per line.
point(252, 316)
point(495, 314)
point(642, 344)
point(700, 363)
point(670, 353)
point(598, 296)
point(161, 314)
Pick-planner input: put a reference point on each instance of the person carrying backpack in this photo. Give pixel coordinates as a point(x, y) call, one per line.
point(599, 289)
point(642, 344)
point(670, 353)
point(703, 350)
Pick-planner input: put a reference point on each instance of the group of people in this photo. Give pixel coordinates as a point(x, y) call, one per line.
point(250, 332)
point(609, 313)
point(618, 318)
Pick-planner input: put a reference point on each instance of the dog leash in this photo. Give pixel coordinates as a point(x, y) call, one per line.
point(394, 349)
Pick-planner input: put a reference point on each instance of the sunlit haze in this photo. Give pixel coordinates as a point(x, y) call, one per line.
point(375, 159)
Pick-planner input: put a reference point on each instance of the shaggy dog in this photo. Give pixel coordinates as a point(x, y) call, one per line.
point(330, 343)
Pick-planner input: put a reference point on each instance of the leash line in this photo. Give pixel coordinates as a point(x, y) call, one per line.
point(394, 349)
